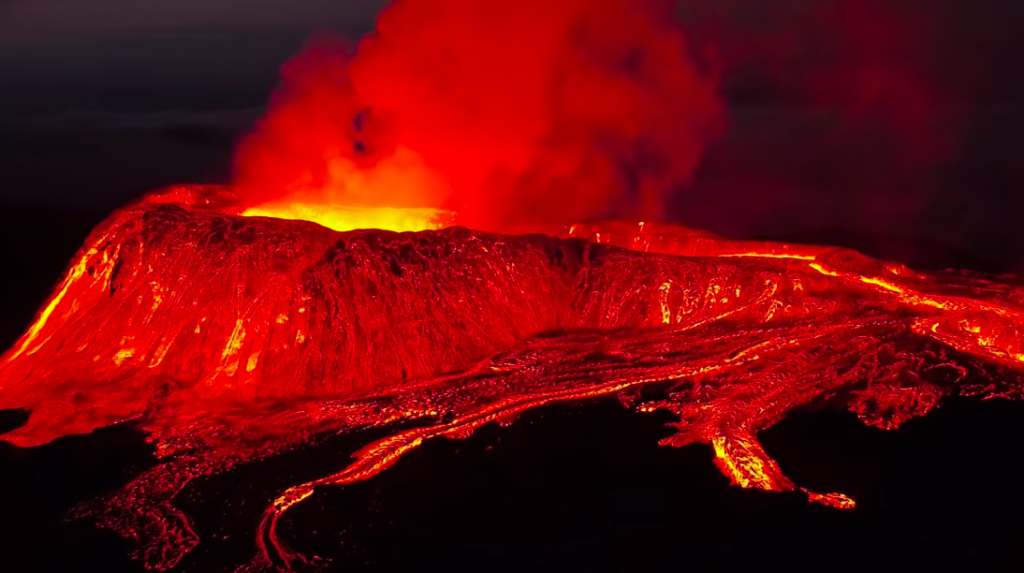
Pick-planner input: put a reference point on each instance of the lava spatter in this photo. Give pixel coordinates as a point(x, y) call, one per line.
point(231, 338)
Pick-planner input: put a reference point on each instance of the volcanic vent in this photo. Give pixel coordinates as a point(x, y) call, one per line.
point(231, 338)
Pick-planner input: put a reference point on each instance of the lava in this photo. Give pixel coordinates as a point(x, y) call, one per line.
point(354, 275)
point(342, 218)
point(230, 339)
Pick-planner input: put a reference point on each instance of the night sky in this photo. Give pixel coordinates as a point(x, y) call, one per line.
point(103, 100)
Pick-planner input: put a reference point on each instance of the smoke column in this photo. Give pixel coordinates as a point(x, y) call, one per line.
point(504, 111)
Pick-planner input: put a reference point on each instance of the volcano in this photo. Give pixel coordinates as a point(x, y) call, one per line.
point(230, 337)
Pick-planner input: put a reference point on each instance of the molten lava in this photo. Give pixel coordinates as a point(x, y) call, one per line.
point(230, 339)
point(341, 218)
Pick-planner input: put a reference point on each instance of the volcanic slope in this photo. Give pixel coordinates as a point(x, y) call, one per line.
point(232, 338)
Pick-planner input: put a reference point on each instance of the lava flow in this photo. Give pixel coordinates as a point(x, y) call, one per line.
point(230, 339)
point(235, 323)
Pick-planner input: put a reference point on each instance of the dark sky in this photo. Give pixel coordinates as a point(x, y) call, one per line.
point(104, 99)
point(146, 55)
point(101, 100)
point(149, 55)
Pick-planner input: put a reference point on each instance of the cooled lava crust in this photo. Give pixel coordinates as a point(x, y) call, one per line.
point(231, 338)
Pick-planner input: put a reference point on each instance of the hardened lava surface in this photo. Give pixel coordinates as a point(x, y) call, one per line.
point(229, 339)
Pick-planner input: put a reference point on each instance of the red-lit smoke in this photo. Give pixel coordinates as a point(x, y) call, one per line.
point(845, 113)
point(505, 111)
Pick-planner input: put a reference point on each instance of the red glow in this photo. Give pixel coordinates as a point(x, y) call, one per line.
point(849, 113)
point(242, 337)
point(231, 328)
point(489, 111)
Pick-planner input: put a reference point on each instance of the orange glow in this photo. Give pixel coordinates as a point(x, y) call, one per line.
point(77, 274)
point(599, 107)
point(277, 331)
point(836, 500)
point(230, 330)
point(340, 218)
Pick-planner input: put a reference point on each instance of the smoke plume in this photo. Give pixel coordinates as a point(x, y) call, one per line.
point(506, 111)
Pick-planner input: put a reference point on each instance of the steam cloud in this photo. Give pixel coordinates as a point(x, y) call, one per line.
point(505, 111)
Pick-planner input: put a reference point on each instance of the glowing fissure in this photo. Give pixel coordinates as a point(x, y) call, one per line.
point(241, 337)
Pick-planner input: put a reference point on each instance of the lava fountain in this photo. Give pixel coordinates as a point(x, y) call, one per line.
point(354, 277)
